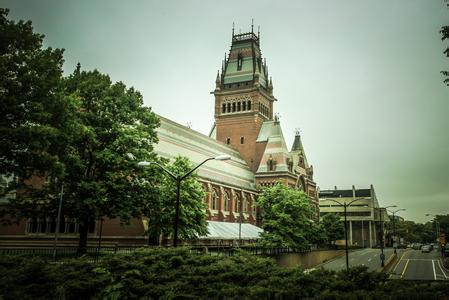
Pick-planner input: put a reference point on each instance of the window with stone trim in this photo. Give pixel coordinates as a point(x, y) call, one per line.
point(228, 141)
point(214, 204)
point(249, 105)
point(226, 202)
point(237, 203)
point(223, 108)
point(242, 140)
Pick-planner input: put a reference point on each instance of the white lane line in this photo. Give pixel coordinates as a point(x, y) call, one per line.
point(405, 268)
point(434, 273)
point(441, 268)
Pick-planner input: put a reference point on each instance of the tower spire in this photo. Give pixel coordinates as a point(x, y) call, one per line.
point(252, 25)
point(233, 29)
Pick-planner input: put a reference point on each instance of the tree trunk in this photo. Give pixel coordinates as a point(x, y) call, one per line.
point(83, 230)
point(153, 236)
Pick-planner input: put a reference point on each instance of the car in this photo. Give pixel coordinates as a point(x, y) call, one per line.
point(416, 246)
point(425, 249)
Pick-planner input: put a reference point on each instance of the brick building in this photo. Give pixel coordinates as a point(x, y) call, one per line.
point(245, 128)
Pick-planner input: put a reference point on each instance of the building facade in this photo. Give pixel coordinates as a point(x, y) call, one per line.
point(245, 128)
point(364, 216)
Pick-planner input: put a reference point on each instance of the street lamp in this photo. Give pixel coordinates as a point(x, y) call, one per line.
point(179, 179)
point(382, 255)
point(345, 205)
point(394, 226)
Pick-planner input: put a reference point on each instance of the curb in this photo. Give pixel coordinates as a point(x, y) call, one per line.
point(388, 263)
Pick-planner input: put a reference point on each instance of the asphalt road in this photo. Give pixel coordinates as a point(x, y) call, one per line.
point(367, 257)
point(415, 265)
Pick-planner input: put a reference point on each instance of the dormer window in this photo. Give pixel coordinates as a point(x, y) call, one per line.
point(239, 62)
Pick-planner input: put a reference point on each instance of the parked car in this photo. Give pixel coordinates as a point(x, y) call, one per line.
point(425, 249)
point(417, 246)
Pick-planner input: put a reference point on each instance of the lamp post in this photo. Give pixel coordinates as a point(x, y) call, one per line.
point(179, 179)
point(58, 221)
point(382, 255)
point(345, 205)
point(394, 227)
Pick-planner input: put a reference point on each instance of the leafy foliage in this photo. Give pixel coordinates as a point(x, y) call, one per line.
point(181, 273)
point(33, 108)
point(286, 217)
point(160, 210)
point(333, 227)
point(445, 35)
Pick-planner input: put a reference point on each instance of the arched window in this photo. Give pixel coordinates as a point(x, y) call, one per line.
point(233, 106)
point(249, 105)
point(228, 141)
point(244, 105)
point(226, 202)
point(229, 107)
point(223, 108)
point(238, 106)
point(245, 204)
point(237, 203)
point(242, 140)
point(214, 203)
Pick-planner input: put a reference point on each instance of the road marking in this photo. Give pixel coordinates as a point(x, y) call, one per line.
point(434, 273)
point(397, 264)
point(405, 268)
point(441, 268)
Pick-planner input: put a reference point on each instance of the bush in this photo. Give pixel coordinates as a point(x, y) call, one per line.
point(178, 273)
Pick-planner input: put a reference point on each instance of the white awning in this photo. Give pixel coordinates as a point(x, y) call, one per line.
point(226, 230)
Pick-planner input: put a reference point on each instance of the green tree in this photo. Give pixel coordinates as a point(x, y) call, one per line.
point(33, 109)
point(445, 35)
point(286, 217)
point(111, 122)
point(333, 227)
point(160, 210)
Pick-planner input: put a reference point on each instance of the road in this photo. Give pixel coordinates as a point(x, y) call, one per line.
point(367, 257)
point(414, 265)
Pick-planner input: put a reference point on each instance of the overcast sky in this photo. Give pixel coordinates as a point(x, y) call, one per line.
point(361, 79)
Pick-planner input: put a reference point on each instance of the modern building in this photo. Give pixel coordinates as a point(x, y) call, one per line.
point(246, 128)
point(364, 216)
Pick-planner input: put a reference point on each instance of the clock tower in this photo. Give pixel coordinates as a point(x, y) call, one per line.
point(243, 97)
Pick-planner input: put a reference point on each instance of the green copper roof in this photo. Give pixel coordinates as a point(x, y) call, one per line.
point(244, 62)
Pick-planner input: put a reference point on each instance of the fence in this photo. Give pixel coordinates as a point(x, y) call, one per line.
point(95, 252)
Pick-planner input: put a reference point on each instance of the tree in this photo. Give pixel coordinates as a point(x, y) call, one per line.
point(33, 109)
point(333, 227)
point(111, 122)
point(286, 217)
point(160, 210)
point(445, 35)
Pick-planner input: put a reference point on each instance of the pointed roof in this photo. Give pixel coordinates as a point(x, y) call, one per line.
point(244, 62)
point(298, 148)
point(275, 149)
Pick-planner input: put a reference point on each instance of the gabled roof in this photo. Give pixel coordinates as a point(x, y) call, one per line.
point(276, 147)
point(175, 139)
